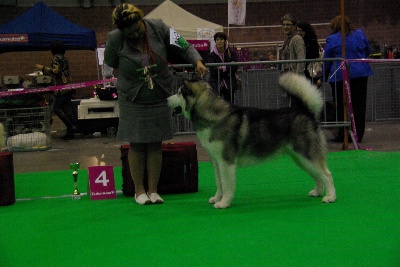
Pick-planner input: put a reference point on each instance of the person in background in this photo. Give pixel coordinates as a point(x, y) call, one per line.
point(60, 73)
point(271, 57)
point(222, 78)
point(138, 48)
point(357, 47)
point(305, 30)
point(293, 47)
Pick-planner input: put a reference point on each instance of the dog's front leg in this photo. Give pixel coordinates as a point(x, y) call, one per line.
point(217, 175)
point(228, 182)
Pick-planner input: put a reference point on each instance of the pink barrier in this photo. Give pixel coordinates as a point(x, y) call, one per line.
point(346, 86)
point(371, 60)
point(54, 88)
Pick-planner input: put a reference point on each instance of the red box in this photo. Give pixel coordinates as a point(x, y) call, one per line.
point(7, 186)
point(179, 170)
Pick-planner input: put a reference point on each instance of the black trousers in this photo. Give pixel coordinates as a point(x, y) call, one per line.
point(227, 95)
point(358, 90)
point(63, 108)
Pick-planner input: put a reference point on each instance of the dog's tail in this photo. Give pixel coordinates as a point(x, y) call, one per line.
point(300, 87)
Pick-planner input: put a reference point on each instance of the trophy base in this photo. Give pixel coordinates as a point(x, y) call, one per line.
point(76, 196)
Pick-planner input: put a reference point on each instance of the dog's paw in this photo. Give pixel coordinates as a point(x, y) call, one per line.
point(221, 205)
point(329, 199)
point(214, 200)
point(315, 193)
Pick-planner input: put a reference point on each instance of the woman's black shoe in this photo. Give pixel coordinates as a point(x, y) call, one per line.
point(68, 136)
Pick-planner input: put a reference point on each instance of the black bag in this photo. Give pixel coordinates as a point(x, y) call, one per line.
point(238, 82)
point(107, 93)
point(22, 101)
point(179, 169)
point(315, 69)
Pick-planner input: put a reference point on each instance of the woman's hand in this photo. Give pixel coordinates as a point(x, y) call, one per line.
point(201, 68)
point(38, 67)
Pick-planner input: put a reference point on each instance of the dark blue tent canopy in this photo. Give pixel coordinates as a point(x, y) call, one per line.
point(37, 27)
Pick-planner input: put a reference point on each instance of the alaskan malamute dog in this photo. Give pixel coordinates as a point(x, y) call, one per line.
point(237, 136)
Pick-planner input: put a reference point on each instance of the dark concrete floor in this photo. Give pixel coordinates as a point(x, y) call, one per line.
point(89, 150)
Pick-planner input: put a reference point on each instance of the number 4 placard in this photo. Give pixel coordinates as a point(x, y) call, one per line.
point(101, 182)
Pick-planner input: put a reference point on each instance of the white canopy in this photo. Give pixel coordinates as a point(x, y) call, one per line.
point(185, 23)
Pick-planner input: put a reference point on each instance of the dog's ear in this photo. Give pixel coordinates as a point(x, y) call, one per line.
point(196, 77)
point(185, 88)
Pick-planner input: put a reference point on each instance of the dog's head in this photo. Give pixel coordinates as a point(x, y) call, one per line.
point(188, 94)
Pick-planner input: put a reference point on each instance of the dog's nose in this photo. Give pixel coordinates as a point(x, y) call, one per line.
point(177, 111)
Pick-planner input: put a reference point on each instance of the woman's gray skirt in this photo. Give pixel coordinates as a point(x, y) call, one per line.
point(144, 123)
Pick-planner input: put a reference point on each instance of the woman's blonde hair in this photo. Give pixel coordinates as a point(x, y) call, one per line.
point(336, 24)
point(126, 15)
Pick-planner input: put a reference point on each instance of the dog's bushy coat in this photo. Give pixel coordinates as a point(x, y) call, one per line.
point(237, 136)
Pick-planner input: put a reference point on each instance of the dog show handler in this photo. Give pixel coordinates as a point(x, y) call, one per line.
point(139, 48)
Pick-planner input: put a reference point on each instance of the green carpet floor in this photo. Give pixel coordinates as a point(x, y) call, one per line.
point(272, 221)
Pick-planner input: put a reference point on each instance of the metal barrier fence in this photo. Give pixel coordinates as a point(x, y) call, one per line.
point(260, 89)
point(383, 100)
point(27, 129)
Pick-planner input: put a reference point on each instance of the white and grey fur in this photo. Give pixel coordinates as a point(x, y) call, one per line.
point(239, 136)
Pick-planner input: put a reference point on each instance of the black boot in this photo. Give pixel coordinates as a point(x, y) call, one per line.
point(68, 136)
point(71, 129)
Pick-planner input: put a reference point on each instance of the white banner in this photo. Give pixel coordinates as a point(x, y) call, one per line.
point(176, 39)
point(237, 12)
point(205, 33)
